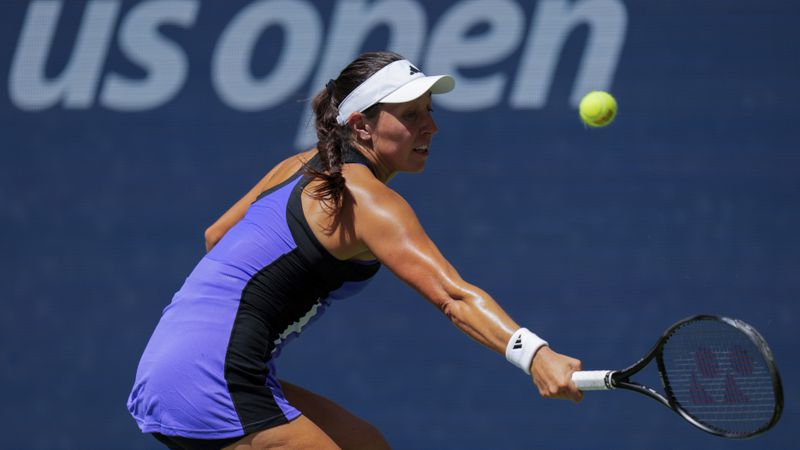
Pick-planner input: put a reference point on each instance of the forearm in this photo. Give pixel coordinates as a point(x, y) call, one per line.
point(481, 318)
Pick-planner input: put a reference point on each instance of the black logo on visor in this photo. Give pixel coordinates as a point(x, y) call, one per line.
point(413, 70)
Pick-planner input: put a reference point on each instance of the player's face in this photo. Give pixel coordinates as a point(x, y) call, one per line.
point(402, 133)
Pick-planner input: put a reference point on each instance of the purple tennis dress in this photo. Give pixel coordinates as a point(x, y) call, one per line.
point(208, 370)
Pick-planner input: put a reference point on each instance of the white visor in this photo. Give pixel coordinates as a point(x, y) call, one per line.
point(398, 82)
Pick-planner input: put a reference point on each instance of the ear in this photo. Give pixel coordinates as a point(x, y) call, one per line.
point(361, 127)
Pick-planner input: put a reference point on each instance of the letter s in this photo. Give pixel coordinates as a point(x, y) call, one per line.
point(164, 62)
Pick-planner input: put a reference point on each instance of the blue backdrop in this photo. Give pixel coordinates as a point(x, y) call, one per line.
point(128, 127)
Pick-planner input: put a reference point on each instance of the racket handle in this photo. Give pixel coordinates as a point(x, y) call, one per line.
point(593, 380)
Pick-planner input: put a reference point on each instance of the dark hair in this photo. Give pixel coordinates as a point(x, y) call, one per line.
point(332, 137)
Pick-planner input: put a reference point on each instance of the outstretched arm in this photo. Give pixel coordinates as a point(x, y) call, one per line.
point(388, 227)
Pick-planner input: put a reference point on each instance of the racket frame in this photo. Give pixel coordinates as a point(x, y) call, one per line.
point(621, 379)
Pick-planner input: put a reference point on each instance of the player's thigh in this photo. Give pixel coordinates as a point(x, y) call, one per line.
point(346, 429)
point(299, 434)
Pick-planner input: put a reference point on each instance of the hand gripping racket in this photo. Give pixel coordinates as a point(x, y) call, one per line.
point(717, 373)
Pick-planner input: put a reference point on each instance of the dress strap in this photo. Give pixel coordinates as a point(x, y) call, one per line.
point(351, 155)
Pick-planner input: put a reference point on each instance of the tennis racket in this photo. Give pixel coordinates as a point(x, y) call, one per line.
point(717, 373)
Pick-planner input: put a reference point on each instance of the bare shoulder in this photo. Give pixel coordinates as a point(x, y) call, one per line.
point(294, 162)
point(285, 169)
point(305, 156)
point(378, 211)
point(367, 191)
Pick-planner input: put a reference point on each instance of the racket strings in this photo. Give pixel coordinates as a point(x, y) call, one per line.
point(720, 377)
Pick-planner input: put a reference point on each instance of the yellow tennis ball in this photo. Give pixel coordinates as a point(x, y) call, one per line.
point(598, 109)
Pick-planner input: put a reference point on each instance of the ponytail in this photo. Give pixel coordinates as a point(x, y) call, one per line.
point(332, 137)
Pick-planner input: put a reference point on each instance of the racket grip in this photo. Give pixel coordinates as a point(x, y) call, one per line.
point(593, 380)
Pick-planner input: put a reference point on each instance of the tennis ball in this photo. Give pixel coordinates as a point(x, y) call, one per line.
point(598, 109)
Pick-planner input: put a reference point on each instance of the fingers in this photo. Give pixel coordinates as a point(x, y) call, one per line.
point(562, 388)
point(554, 377)
point(576, 395)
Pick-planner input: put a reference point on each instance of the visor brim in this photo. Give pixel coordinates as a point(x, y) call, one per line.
point(414, 89)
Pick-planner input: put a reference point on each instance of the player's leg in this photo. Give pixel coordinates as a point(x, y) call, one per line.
point(299, 434)
point(346, 429)
point(323, 425)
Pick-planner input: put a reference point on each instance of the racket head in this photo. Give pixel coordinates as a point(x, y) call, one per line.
point(720, 375)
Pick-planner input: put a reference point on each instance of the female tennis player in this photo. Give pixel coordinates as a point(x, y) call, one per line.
point(315, 228)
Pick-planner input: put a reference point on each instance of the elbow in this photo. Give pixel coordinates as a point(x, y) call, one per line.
point(212, 236)
point(454, 310)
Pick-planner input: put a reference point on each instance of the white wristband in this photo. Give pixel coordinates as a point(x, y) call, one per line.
point(522, 347)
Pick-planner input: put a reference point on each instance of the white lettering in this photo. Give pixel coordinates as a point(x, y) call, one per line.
point(29, 88)
point(451, 48)
point(553, 21)
point(469, 39)
point(164, 61)
point(231, 74)
point(351, 23)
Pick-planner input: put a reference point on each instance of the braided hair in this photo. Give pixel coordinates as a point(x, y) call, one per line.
point(332, 137)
